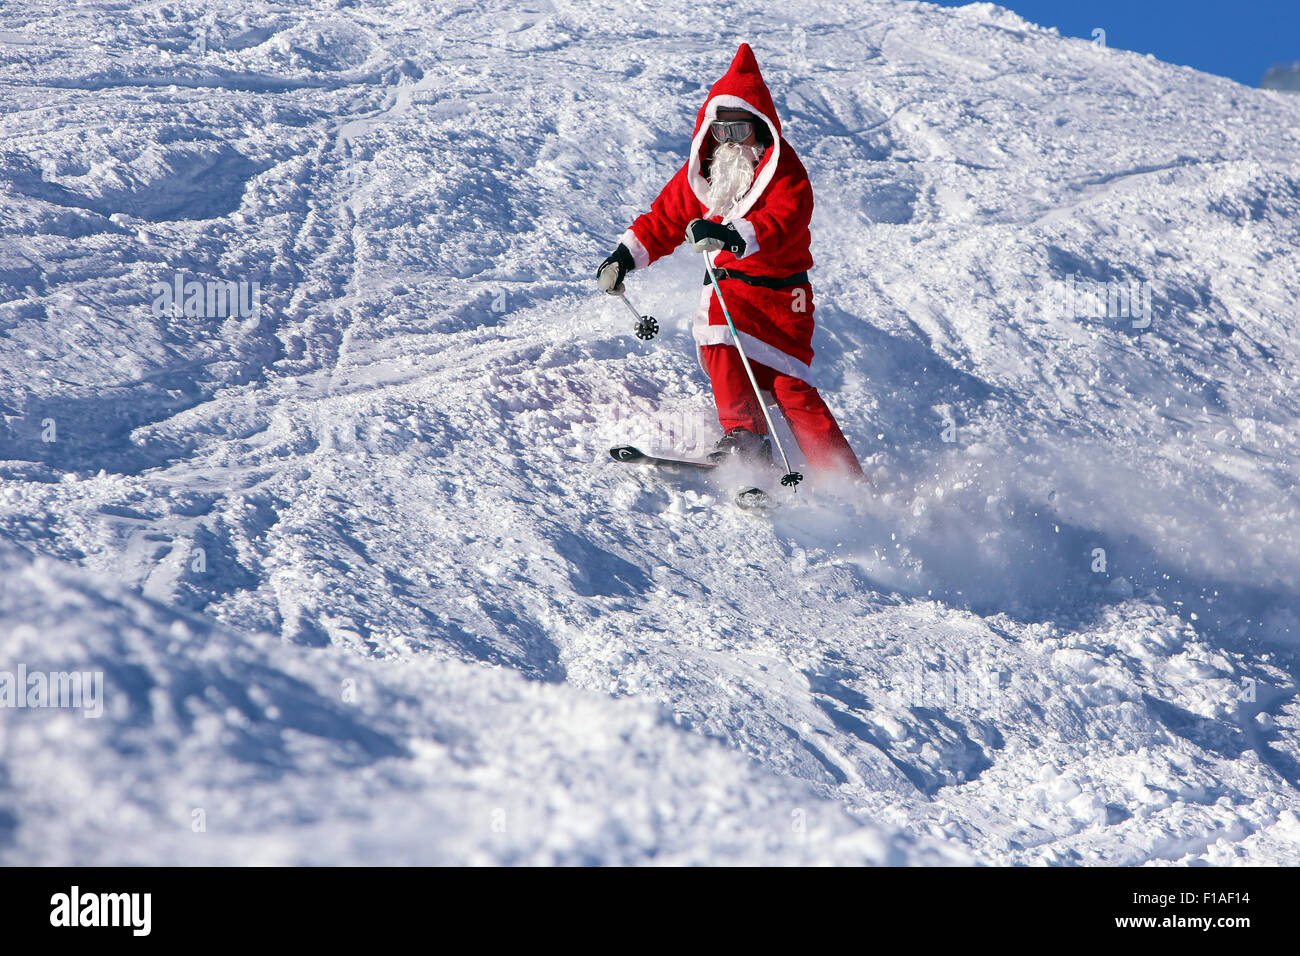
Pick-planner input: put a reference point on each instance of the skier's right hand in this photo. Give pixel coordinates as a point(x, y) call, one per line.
point(611, 272)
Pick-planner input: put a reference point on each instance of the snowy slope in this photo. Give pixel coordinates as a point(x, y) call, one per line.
point(363, 584)
point(1282, 76)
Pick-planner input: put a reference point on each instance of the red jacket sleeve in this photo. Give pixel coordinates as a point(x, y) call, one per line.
point(779, 221)
point(662, 229)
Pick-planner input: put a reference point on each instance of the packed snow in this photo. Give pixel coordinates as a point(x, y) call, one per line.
point(1282, 76)
point(340, 536)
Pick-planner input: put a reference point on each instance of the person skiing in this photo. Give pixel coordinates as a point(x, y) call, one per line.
point(744, 194)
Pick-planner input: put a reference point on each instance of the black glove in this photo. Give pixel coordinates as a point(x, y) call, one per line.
point(611, 272)
point(708, 236)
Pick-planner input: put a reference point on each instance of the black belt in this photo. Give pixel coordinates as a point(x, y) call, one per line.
point(767, 282)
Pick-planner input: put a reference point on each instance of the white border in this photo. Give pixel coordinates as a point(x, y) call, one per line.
point(700, 185)
point(640, 257)
point(746, 230)
point(755, 348)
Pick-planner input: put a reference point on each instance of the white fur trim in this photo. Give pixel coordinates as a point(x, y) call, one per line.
point(640, 258)
point(746, 230)
point(700, 185)
point(701, 317)
point(755, 349)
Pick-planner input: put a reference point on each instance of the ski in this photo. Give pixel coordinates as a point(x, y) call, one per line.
point(749, 498)
point(635, 456)
point(755, 500)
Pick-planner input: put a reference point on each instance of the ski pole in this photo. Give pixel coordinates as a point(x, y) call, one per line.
point(646, 326)
point(791, 477)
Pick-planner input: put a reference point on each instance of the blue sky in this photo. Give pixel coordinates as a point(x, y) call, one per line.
point(1235, 38)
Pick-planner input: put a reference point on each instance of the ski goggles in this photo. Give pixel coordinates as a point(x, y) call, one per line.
point(732, 131)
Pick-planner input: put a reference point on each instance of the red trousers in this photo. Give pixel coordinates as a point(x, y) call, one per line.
point(812, 423)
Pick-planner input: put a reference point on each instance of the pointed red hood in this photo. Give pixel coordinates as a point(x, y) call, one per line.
point(743, 81)
point(741, 87)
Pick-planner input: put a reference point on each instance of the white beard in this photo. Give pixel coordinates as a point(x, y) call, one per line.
point(730, 176)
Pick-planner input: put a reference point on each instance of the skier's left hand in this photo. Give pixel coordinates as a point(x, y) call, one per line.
point(706, 236)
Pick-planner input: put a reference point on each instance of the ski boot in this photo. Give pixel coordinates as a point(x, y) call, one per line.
point(741, 444)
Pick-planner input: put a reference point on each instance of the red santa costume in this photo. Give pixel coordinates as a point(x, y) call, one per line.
point(766, 287)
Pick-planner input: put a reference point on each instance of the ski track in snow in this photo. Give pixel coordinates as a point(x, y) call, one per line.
point(364, 585)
